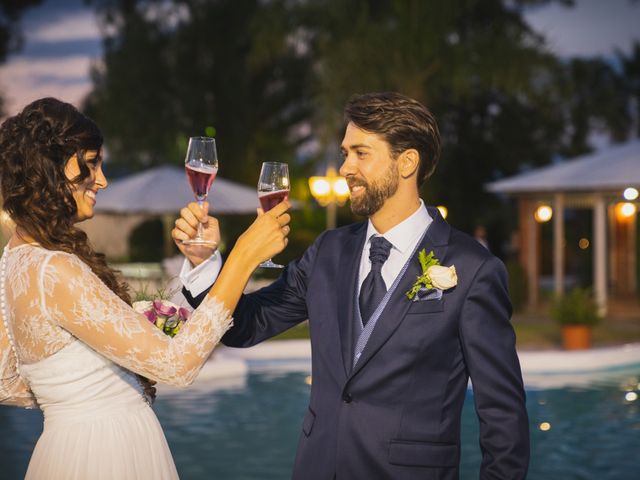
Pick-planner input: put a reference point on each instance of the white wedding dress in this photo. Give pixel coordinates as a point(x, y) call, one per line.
point(69, 346)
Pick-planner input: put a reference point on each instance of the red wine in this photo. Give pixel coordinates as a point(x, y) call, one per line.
point(268, 200)
point(200, 179)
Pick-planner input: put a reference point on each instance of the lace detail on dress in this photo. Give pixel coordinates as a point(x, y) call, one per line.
point(13, 390)
point(54, 297)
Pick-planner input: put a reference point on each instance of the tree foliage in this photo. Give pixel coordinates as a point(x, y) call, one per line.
point(270, 75)
point(189, 67)
point(631, 79)
point(10, 34)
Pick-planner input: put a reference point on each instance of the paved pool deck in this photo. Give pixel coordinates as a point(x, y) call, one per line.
point(540, 369)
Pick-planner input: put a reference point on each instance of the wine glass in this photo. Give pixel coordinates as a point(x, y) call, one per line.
point(273, 188)
point(201, 165)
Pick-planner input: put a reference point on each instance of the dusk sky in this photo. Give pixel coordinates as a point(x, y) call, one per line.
point(62, 40)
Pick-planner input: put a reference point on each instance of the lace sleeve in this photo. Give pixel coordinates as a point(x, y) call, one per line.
point(13, 390)
point(77, 300)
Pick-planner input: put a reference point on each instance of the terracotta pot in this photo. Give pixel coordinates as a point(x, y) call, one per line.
point(576, 337)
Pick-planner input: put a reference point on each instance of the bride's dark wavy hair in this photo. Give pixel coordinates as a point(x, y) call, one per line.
point(35, 146)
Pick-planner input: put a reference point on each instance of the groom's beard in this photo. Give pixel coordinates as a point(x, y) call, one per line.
point(375, 192)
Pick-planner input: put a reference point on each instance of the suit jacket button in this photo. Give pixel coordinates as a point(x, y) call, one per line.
point(346, 398)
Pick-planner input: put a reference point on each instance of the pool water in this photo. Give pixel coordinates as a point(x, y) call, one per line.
point(248, 429)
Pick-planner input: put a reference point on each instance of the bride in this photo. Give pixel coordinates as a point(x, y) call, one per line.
point(70, 343)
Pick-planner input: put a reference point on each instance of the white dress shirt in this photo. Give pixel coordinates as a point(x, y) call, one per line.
point(198, 279)
point(404, 238)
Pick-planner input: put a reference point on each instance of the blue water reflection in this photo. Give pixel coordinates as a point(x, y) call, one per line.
point(248, 429)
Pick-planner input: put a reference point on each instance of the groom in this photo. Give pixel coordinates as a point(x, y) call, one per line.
point(390, 373)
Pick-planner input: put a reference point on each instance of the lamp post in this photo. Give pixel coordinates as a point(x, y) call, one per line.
point(329, 191)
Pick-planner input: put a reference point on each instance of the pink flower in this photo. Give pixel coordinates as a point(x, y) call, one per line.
point(183, 313)
point(151, 315)
point(164, 310)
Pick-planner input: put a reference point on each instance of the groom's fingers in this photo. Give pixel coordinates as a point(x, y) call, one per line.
point(194, 213)
point(201, 213)
point(178, 235)
point(189, 216)
point(184, 227)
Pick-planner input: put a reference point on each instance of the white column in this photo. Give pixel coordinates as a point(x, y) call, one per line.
point(558, 243)
point(633, 257)
point(600, 253)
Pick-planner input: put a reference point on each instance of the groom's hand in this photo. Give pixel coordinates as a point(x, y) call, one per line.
point(186, 228)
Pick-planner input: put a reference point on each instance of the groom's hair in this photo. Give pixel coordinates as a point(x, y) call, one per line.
point(402, 122)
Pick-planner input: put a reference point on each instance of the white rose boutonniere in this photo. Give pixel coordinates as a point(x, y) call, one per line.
point(441, 277)
point(433, 275)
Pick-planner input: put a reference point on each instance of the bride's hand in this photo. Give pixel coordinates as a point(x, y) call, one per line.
point(267, 236)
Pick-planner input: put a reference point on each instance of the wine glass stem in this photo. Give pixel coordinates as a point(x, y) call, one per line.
point(200, 231)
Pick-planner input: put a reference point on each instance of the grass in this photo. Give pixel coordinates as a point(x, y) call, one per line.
point(538, 331)
point(533, 334)
point(300, 331)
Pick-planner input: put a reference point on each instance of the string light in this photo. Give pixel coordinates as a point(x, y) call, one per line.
point(630, 193)
point(543, 213)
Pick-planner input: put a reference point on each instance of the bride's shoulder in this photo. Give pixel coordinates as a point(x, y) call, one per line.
point(65, 262)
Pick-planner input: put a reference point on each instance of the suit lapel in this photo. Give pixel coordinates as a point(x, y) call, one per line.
point(348, 268)
point(436, 239)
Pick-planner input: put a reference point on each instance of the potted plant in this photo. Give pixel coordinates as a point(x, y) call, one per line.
point(577, 313)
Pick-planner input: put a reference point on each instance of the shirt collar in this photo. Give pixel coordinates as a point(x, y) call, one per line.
point(403, 235)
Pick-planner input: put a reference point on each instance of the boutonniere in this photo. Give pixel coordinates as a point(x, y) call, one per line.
point(433, 275)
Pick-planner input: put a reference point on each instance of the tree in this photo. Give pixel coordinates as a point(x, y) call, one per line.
point(222, 66)
point(10, 34)
point(269, 75)
point(503, 102)
point(476, 64)
point(595, 100)
point(631, 78)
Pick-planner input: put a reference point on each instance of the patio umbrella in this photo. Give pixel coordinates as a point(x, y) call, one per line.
point(165, 190)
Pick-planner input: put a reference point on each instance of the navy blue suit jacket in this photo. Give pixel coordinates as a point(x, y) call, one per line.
point(396, 415)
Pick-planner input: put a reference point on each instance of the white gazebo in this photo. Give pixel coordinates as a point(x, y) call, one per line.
point(165, 190)
point(596, 181)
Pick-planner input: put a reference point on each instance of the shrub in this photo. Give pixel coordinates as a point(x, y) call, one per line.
point(146, 242)
point(517, 285)
point(577, 307)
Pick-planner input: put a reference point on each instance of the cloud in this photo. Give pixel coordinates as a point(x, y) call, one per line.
point(24, 79)
point(75, 26)
point(590, 28)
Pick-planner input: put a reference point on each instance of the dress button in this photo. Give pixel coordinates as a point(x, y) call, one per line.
point(347, 398)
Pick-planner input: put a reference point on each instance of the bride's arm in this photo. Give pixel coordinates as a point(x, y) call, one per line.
point(76, 299)
point(16, 393)
point(13, 390)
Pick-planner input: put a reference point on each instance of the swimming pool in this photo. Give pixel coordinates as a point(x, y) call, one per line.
point(247, 427)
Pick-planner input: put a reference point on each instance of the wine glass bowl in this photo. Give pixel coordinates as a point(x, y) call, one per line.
point(273, 188)
point(201, 166)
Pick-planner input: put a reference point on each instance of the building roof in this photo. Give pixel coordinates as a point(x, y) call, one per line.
point(614, 168)
point(165, 189)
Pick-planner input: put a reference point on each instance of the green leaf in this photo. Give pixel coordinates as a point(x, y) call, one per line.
point(426, 261)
